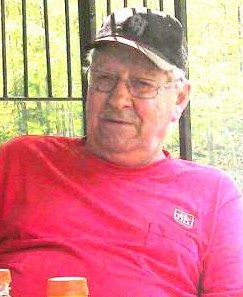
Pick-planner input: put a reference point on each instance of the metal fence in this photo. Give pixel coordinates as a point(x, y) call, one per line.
point(79, 19)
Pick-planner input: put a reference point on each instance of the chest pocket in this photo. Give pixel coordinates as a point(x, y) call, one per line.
point(172, 238)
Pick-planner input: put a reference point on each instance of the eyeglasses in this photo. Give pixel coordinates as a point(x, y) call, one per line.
point(106, 82)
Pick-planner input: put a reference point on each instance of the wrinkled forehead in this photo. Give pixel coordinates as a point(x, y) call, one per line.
point(114, 52)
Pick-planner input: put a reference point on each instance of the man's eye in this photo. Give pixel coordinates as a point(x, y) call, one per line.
point(103, 77)
point(141, 84)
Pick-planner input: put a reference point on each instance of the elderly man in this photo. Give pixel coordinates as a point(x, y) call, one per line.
point(114, 206)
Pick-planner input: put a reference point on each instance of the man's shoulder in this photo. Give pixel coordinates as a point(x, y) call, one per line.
point(26, 143)
point(205, 180)
point(194, 170)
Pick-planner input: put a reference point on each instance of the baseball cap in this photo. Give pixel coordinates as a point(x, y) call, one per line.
point(158, 35)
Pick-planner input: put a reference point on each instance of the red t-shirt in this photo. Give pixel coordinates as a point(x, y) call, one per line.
point(172, 228)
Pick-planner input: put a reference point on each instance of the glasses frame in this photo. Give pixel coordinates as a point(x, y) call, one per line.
point(117, 78)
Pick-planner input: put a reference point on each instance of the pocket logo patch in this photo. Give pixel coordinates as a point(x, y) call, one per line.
point(184, 218)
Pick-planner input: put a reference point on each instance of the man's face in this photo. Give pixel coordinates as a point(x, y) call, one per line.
point(121, 127)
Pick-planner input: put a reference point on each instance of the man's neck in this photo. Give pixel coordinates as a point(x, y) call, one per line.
point(129, 159)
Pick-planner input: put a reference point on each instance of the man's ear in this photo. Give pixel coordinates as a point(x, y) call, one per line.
point(182, 100)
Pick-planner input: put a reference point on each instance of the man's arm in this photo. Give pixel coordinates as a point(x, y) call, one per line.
point(223, 263)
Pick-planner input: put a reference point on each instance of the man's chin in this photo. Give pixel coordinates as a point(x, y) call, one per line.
point(117, 147)
point(111, 146)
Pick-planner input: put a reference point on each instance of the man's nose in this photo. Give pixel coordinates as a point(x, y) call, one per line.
point(120, 97)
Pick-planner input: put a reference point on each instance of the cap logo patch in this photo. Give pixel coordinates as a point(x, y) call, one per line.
point(136, 25)
point(184, 218)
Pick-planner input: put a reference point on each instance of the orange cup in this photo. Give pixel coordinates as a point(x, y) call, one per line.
point(67, 286)
point(5, 276)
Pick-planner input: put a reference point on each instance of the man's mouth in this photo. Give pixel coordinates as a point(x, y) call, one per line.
point(116, 120)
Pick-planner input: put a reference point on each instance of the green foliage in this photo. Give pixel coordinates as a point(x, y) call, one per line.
point(64, 118)
point(216, 77)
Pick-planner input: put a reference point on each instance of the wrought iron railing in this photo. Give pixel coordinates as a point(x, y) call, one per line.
point(86, 20)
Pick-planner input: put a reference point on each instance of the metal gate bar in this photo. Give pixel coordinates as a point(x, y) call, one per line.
point(4, 57)
point(185, 120)
point(68, 49)
point(47, 48)
point(25, 53)
point(87, 29)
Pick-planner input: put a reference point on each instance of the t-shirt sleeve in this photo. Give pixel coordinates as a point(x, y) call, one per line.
point(11, 175)
point(223, 262)
point(4, 164)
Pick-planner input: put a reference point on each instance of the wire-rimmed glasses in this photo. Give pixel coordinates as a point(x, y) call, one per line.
point(106, 82)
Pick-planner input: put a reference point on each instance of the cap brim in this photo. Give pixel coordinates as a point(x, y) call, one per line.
point(161, 63)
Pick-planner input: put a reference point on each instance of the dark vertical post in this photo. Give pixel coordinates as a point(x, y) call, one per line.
point(145, 3)
point(161, 5)
point(68, 49)
point(25, 50)
point(108, 7)
point(4, 59)
point(87, 28)
point(185, 121)
point(125, 3)
point(47, 47)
